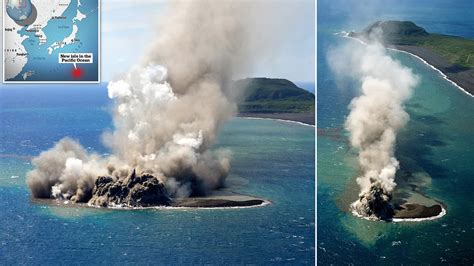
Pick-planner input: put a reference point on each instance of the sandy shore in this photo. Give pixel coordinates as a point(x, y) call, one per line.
point(417, 211)
point(219, 199)
point(224, 201)
point(463, 77)
point(305, 118)
point(409, 203)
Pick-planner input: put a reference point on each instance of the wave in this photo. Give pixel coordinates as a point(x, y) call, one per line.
point(280, 120)
point(121, 207)
point(441, 214)
point(440, 72)
point(444, 76)
point(402, 220)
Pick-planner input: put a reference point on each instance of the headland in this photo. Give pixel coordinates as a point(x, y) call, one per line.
point(453, 56)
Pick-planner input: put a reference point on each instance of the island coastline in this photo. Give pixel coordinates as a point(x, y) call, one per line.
point(430, 48)
point(219, 200)
point(434, 61)
point(306, 119)
point(461, 79)
point(409, 204)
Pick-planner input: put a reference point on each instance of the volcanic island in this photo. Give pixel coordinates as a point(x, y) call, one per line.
point(451, 55)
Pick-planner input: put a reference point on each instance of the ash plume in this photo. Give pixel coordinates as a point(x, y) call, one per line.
point(376, 116)
point(166, 115)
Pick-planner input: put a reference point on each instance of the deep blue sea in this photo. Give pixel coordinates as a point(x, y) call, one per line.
point(437, 145)
point(272, 160)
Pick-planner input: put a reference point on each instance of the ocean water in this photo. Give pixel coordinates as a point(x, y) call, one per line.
point(436, 146)
point(272, 160)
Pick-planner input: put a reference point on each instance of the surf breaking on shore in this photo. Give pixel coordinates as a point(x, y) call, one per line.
point(414, 218)
point(443, 75)
point(277, 119)
point(375, 203)
point(167, 114)
point(168, 111)
point(222, 199)
point(441, 214)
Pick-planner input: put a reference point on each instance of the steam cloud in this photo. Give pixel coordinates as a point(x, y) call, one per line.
point(165, 119)
point(375, 118)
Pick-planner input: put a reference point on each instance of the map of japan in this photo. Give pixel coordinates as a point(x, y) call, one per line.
point(51, 41)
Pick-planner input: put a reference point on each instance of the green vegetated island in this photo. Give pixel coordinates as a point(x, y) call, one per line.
point(276, 99)
point(452, 55)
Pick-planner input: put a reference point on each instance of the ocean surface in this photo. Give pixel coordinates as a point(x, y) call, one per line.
point(273, 160)
point(436, 147)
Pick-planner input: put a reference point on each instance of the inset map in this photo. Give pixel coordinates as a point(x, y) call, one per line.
point(51, 41)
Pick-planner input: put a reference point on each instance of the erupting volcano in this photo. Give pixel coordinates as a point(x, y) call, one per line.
point(166, 115)
point(375, 118)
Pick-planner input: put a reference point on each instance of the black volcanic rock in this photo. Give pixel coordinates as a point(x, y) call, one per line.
point(375, 203)
point(133, 191)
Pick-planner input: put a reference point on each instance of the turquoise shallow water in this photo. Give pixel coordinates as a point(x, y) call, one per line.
point(273, 160)
point(437, 147)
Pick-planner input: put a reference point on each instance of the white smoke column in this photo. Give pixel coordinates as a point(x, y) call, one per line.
point(375, 119)
point(165, 119)
point(162, 133)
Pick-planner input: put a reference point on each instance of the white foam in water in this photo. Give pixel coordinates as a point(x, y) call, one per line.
point(346, 35)
point(121, 207)
point(441, 214)
point(280, 120)
point(401, 220)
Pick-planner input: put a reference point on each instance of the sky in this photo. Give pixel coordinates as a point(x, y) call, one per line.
point(436, 16)
point(129, 27)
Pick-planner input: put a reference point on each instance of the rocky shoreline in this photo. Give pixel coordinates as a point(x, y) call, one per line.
point(141, 191)
point(230, 201)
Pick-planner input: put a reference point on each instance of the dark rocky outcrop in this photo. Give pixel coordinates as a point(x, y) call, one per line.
point(375, 203)
point(133, 191)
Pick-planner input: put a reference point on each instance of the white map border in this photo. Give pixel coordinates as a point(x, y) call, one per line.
point(99, 50)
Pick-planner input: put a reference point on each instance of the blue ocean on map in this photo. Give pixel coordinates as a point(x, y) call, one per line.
point(437, 141)
point(270, 159)
point(44, 66)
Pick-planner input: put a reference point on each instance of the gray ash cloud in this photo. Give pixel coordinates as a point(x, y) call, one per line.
point(167, 112)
